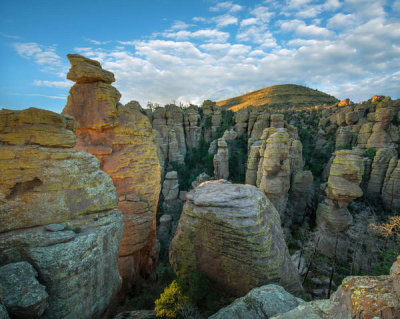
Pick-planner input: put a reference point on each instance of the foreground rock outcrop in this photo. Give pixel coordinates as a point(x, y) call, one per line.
point(232, 233)
point(357, 297)
point(260, 303)
point(57, 218)
point(121, 137)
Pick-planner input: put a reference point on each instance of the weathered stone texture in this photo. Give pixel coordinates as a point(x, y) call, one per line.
point(76, 259)
point(121, 137)
point(232, 232)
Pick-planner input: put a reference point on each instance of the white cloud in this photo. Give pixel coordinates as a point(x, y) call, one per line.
point(179, 25)
point(341, 21)
point(332, 5)
point(247, 22)
point(225, 20)
point(53, 97)
point(10, 36)
point(226, 6)
point(206, 34)
point(56, 84)
point(45, 56)
point(95, 42)
point(300, 28)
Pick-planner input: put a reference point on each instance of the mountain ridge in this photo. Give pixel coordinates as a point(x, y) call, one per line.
point(283, 95)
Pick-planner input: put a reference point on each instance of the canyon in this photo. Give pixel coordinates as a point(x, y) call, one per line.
point(279, 193)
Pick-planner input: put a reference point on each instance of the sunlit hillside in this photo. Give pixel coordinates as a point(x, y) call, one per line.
point(285, 95)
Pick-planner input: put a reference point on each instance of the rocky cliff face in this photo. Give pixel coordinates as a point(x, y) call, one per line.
point(232, 233)
point(121, 137)
point(58, 220)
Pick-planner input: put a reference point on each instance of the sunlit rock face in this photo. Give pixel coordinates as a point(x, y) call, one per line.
point(232, 233)
point(57, 213)
point(121, 137)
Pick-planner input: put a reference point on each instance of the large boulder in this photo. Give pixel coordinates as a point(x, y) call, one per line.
point(24, 296)
point(232, 233)
point(57, 212)
point(121, 137)
point(391, 187)
point(259, 303)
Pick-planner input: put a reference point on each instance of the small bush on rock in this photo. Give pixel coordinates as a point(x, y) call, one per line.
point(171, 301)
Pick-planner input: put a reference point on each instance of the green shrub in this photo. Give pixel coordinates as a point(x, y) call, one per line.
point(371, 152)
point(344, 147)
point(238, 159)
point(207, 122)
point(171, 301)
point(227, 121)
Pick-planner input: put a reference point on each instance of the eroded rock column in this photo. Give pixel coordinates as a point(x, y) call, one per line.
point(121, 137)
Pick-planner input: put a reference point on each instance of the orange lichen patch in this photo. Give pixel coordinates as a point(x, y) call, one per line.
point(369, 297)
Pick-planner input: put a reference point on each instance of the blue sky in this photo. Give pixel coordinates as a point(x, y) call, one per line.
point(187, 51)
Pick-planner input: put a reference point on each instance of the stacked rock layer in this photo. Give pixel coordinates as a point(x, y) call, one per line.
point(58, 220)
point(121, 137)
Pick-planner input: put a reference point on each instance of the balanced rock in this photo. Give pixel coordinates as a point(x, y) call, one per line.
point(121, 137)
point(24, 296)
point(84, 70)
point(44, 185)
point(232, 233)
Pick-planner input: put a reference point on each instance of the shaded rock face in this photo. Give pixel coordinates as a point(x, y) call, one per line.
point(170, 188)
point(260, 303)
point(232, 233)
point(24, 296)
point(45, 182)
point(391, 187)
point(221, 160)
point(121, 137)
point(357, 297)
point(168, 122)
point(193, 130)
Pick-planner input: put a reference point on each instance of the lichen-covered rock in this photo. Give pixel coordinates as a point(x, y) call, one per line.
point(345, 176)
point(358, 297)
point(380, 165)
point(259, 303)
point(391, 187)
point(77, 261)
point(260, 124)
point(275, 180)
point(203, 177)
point(241, 121)
point(232, 233)
point(121, 137)
point(229, 135)
point(84, 70)
point(221, 160)
point(252, 163)
point(277, 120)
point(24, 296)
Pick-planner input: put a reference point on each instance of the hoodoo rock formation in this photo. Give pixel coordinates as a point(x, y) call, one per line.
point(121, 137)
point(333, 216)
point(232, 233)
point(57, 220)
